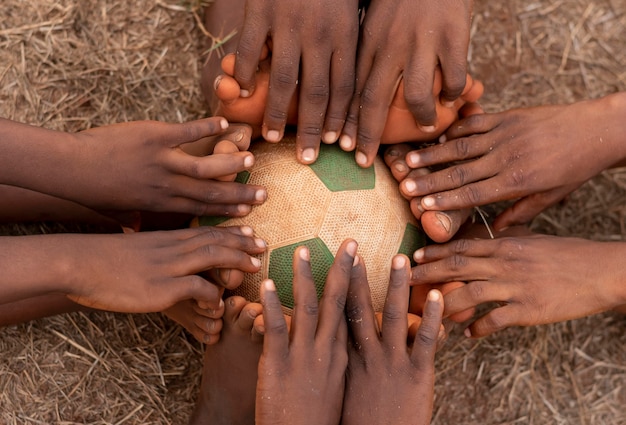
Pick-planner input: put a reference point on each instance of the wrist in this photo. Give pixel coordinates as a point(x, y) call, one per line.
point(612, 127)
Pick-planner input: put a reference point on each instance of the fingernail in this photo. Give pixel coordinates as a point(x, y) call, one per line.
point(427, 128)
point(413, 159)
point(400, 167)
point(409, 186)
point(330, 137)
point(255, 261)
point(223, 124)
point(443, 138)
point(244, 93)
point(243, 208)
point(225, 275)
point(221, 305)
point(260, 195)
point(252, 314)
point(247, 230)
point(467, 333)
point(217, 81)
point(428, 202)
point(393, 153)
point(356, 261)
point(248, 161)
point(444, 220)
point(260, 243)
point(268, 284)
point(398, 262)
point(308, 155)
point(351, 248)
point(434, 296)
point(304, 254)
point(273, 136)
point(361, 158)
point(418, 255)
point(345, 142)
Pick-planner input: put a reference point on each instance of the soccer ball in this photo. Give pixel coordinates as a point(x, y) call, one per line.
point(320, 205)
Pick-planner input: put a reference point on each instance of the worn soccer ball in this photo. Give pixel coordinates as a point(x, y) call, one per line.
point(320, 205)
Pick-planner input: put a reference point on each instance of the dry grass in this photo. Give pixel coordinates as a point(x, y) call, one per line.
point(71, 65)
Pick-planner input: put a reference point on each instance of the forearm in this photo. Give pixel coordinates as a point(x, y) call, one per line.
point(612, 126)
point(34, 265)
point(36, 158)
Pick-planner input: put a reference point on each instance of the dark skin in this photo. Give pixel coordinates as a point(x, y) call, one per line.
point(536, 156)
point(115, 272)
point(229, 372)
point(390, 380)
point(70, 166)
point(436, 34)
point(535, 279)
point(93, 177)
point(301, 371)
point(313, 52)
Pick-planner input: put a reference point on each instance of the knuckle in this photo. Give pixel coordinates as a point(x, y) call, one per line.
point(392, 314)
point(282, 80)
point(476, 290)
point(460, 246)
point(458, 176)
point(317, 94)
point(471, 195)
point(311, 309)
point(310, 130)
point(424, 339)
point(462, 148)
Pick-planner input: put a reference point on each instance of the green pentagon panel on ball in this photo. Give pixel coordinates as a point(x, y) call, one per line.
point(319, 206)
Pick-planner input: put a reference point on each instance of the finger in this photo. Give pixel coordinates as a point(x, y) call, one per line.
point(496, 320)
point(441, 226)
point(283, 79)
point(306, 309)
point(276, 335)
point(472, 124)
point(179, 134)
point(211, 236)
point(376, 96)
point(205, 327)
point(365, 59)
point(425, 344)
point(314, 95)
point(207, 311)
point(394, 326)
point(454, 63)
point(248, 315)
point(333, 302)
point(253, 35)
point(448, 152)
point(237, 134)
point(527, 208)
point(215, 192)
point(227, 147)
point(342, 77)
point(395, 159)
point(359, 311)
point(211, 166)
point(474, 294)
point(419, 79)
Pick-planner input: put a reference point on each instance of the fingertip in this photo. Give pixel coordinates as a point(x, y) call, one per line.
point(223, 124)
point(346, 143)
point(434, 295)
point(398, 262)
point(361, 158)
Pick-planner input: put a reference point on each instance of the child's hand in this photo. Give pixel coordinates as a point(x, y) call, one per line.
point(141, 166)
point(135, 166)
point(537, 155)
point(406, 39)
point(143, 272)
point(536, 279)
point(301, 373)
point(390, 381)
point(322, 37)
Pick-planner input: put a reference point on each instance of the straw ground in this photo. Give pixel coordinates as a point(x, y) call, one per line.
point(71, 65)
